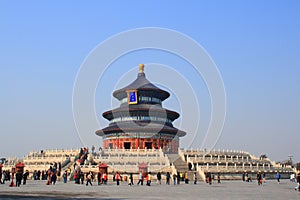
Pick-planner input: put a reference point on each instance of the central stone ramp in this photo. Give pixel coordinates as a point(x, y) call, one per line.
point(181, 166)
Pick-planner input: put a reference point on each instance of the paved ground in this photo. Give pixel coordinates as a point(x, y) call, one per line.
point(227, 190)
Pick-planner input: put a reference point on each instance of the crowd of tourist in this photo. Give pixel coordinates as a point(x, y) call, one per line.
point(80, 177)
point(261, 178)
point(52, 173)
point(4, 176)
point(296, 179)
point(88, 178)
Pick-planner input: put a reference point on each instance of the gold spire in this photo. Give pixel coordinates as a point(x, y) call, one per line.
point(141, 68)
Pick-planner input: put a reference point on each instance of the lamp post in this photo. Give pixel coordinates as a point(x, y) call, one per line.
point(290, 160)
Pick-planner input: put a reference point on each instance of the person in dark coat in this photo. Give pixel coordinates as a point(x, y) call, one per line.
point(99, 178)
point(19, 177)
point(168, 176)
point(298, 182)
point(81, 177)
point(209, 178)
point(178, 178)
point(0, 176)
point(259, 178)
point(174, 178)
point(158, 177)
point(65, 176)
point(131, 179)
point(53, 178)
point(25, 176)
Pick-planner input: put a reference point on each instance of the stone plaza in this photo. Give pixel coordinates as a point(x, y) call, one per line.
point(226, 190)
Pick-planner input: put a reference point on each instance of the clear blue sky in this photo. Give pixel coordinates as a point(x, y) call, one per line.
point(255, 45)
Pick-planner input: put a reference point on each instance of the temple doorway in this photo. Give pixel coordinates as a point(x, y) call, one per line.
point(148, 145)
point(127, 145)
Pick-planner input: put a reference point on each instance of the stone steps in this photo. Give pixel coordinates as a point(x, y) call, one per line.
point(182, 166)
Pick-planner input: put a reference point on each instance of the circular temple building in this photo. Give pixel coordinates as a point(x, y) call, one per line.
point(141, 122)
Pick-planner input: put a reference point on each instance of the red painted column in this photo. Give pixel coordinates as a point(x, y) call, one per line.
point(136, 143)
point(117, 143)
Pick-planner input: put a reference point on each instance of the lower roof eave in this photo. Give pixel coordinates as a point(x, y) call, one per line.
point(102, 132)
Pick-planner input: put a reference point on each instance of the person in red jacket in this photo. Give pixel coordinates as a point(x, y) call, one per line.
point(105, 178)
point(118, 178)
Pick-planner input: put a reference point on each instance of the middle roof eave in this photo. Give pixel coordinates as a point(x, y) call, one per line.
point(109, 115)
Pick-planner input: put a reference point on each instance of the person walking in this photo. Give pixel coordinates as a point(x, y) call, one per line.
point(178, 178)
point(298, 182)
point(89, 179)
point(140, 178)
point(219, 178)
point(130, 179)
point(278, 177)
point(174, 178)
point(65, 176)
point(4, 177)
point(292, 177)
point(118, 178)
point(25, 176)
point(19, 177)
point(186, 178)
point(181, 176)
point(99, 178)
point(168, 176)
point(81, 177)
point(0, 175)
point(209, 178)
point(105, 178)
point(158, 177)
point(49, 174)
point(264, 177)
point(195, 178)
point(148, 179)
point(259, 178)
point(77, 177)
point(53, 178)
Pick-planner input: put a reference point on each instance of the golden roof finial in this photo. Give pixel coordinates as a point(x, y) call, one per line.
point(141, 68)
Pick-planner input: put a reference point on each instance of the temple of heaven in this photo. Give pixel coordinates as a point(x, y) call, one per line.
point(141, 122)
